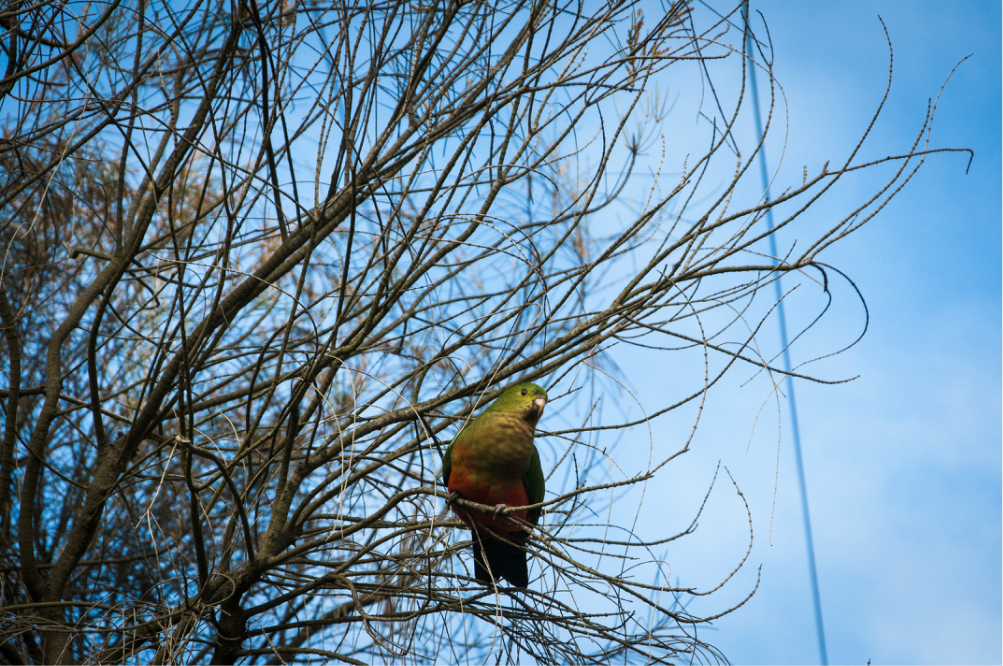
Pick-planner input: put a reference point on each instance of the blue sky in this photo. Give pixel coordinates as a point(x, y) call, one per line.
point(903, 464)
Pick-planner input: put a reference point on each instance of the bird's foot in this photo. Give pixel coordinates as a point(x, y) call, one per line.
point(453, 496)
point(499, 510)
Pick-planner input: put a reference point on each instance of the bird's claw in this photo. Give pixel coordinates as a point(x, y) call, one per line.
point(453, 496)
point(499, 510)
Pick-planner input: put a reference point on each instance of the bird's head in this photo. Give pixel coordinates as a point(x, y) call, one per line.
point(526, 400)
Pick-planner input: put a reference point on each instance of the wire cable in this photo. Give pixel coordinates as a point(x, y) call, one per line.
point(816, 597)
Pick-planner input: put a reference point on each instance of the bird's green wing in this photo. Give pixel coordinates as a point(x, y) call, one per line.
point(535, 483)
point(447, 462)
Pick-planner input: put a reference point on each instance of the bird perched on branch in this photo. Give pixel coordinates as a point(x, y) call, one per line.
point(493, 461)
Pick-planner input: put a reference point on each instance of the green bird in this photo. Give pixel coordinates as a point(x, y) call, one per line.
point(493, 461)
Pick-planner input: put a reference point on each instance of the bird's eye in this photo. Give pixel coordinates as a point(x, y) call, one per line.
point(524, 391)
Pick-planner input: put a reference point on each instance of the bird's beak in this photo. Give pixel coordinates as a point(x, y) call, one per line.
point(540, 403)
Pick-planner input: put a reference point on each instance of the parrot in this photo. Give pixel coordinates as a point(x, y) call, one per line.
point(493, 461)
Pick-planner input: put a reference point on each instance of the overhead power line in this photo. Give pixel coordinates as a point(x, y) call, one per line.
point(816, 597)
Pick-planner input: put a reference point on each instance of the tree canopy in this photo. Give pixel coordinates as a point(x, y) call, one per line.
point(261, 260)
